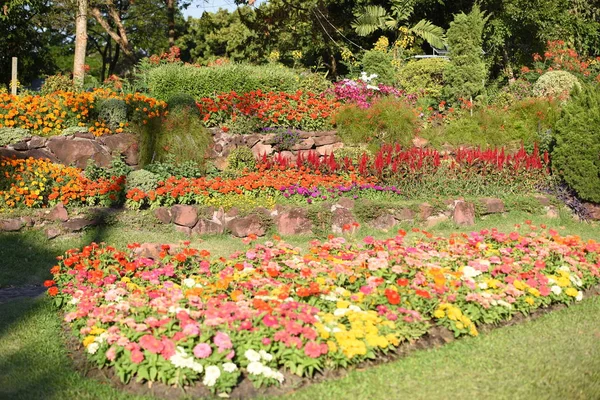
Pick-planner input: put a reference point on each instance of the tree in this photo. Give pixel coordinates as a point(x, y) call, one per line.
point(80, 43)
point(465, 74)
point(373, 17)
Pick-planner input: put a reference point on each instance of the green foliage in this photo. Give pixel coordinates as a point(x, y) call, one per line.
point(423, 76)
point(165, 169)
point(73, 130)
point(142, 179)
point(12, 135)
point(555, 84)
point(113, 112)
point(366, 210)
point(380, 63)
point(118, 167)
point(314, 82)
point(243, 124)
point(465, 75)
point(170, 79)
point(576, 155)
point(388, 120)
point(58, 82)
point(182, 101)
point(241, 158)
point(353, 153)
point(285, 139)
point(179, 137)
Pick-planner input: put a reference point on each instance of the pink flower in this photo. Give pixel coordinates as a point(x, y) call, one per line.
point(222, 341)
point(266, 341)
point(202, 350)
point(270, 321)
point(137, 356)
point(191, 329)
point(152, 344)
point(168, 350)
point(111, 354)
point(314, 349)
point(230, 355)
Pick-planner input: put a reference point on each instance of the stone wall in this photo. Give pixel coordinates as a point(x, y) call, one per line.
point(76, 149)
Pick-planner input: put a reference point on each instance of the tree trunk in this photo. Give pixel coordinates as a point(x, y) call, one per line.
point(80, 43)
point(171, 21)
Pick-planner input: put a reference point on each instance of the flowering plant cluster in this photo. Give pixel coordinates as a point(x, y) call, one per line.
point(300, 110)
point(355, 190)
point(51, 114)
point(361, 93)
point(273, 310)
point(39, 183)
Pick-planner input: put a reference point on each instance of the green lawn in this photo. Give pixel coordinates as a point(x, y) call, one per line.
point(554, 357)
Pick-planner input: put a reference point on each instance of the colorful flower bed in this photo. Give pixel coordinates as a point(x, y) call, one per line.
point(39, 183)
point(300, 110)
point(272, 309)
point(51, 114)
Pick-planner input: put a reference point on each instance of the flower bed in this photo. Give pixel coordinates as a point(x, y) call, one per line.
point(51, 114)
point(186, 318)
point(39, 183)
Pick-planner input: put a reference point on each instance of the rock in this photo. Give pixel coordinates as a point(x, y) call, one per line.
point(383, 222)
point(291, 157)
point(323, 133)
point(325, 140)
point(77, 224)
point(84, 135)
point(593, 211)
point(79, 151)
point(328, 148)
point(341, 218)
point(184, 215)
point(545, 201)
point(294, 222)
point(153, 250)
point(37, 142)
point(346, 202)
point(28, 221)
point(425, 211)
point(11, 225)
point(163, 214)
point(435, 219)
point(52, 233)
point(58, 213)
point(305, 144)
point(183, 229)
point(245, 226)
point(464, 213)
point(551, 212)
point(208, 227)
point(261, 149)
point(492, 205)
point(404, 214)
point(221, 163)
point(21, 146)
point(250, 140)
point(420, 142)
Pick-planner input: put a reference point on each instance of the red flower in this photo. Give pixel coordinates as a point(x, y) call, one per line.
point(53, 291)
point(423, 293)
point(49, 283)
point(392, 296)
point(402, 282)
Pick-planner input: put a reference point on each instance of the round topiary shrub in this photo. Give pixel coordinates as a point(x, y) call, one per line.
point(576, 154)
point(12, 135)
point(182, 101)
point(380, 63)
point(142, 179)
point(555, 84)
point(241, 157)
point(113, 112)
point(423, 76)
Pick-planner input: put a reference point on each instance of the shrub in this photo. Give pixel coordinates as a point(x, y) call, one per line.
point(241, 158)
point(515, 91)
point(465, 74)
point(388, 120)
point(55, 83)
point(142, 179)
point(169, 168)
point(555, 84)
point(314, 83)
point(12, 135)
point(353, 153)
point(576, 155)
point(182, 101)
point(423, 76)
point(167, 80)
point(380, 63)
point(181, 135)
point(113, 112)
point(74, 129)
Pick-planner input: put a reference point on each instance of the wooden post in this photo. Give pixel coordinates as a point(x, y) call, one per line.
point(13, 88)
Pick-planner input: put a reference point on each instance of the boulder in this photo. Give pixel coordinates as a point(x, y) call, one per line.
point(183, 229)
point(153, 250)
point(11, 225)
point(346, 202)
point(593, 211)
point(435, 219)
point(261, 149)
point(383, 222)
point(294, 222)
point(305, 144)
point(341, 218)
point(404, 214)
point(492, 205)
point(419, 142)
point(245, 226)
point(163, 214)
point(79, 151)
point(77, 224)
point(52, 233)
point(184, 215)
point(464, 213)
point(37, 142)
point(328, 148)
point(58, 213)
point(425, 211)
point(250, 140)
point(208, 227)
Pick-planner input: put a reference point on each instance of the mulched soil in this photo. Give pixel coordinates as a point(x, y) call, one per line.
point(19, 292)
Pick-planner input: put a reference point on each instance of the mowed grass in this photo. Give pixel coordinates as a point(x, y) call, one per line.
point(556, 356)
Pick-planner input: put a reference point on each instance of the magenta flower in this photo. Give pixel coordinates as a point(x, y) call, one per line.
point(202, 350)
point(270, 321)
point(222, 341)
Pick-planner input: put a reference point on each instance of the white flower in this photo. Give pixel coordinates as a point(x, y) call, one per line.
point(252, 355)
point(551, 280)
point(504, 303)
point(74, 301)
point(579, 296)
point(175, 310)
point(229, 367)
point(482, 286)
point(556, 289)
point(211, 375)
point(255, 368)
point(372, 87)
point(183, 360)
point(576, 280)
point(271, 373)
point(470, 272)
point(340, 312)
point(189, 282)
point(564, 268)
point(265, 356)
point(102, 337)
point(329, 297)
point(93, 348)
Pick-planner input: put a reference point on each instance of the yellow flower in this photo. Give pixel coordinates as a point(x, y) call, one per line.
point(529, 300)
point(519, 285)
point(571, 292)
point(125, 279)
point(332, 346)
point(563, 281)
point(88, 340)
point(439, 313)
point(342, 304)
point(96, 331)
point(534, 292)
